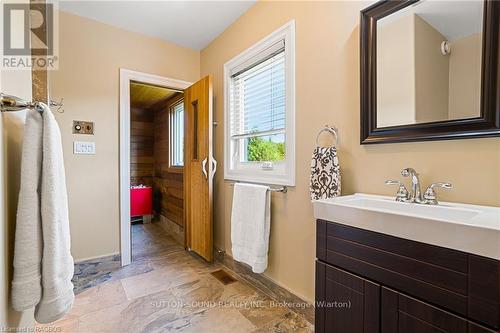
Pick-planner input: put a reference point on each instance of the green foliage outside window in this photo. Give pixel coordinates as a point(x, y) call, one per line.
point(259, 149)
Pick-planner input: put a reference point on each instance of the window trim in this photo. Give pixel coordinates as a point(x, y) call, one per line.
point(255, 174)
point(173, 168)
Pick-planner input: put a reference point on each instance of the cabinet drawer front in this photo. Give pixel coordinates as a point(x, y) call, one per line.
point(419, 270)
point(401, 264)
point(435, 295)
point(430, 254)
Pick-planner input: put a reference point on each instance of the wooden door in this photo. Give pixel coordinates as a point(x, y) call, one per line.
point(404, 314)
point(345, 302)
point(199, 168)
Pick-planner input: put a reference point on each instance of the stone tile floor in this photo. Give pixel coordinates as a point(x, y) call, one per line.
point(166, 289)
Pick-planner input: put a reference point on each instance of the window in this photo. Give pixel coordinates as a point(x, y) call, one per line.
point(177, 134)
point(259, 111)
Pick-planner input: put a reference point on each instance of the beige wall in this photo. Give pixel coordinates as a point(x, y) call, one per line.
point(412, 75)
point(327, 92)
point(465, 77)
point(431, 74)
point(91, 55)
point(396, 71)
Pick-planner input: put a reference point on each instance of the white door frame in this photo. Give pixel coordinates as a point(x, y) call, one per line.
point(126, 76)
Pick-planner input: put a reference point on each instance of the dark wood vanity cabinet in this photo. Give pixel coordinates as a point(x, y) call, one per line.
point(372, 282)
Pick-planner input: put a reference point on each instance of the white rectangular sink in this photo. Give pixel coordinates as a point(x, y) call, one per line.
point(468, 228)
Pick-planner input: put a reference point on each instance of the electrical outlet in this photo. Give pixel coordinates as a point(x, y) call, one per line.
point(84, 148)
point(83, 127)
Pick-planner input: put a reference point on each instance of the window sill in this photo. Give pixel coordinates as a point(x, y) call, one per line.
point(175, 169)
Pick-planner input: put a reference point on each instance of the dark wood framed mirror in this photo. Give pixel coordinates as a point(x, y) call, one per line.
point(430, 70)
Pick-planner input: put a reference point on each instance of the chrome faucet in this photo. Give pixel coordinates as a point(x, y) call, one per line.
point(415, 195)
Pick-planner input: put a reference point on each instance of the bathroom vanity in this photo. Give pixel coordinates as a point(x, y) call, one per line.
point(412, 264)
point(387, 266)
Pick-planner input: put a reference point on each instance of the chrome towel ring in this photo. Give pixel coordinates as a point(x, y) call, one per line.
point(330, 129)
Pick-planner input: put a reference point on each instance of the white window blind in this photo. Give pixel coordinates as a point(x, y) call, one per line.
point(258, 101)
point(177, 135)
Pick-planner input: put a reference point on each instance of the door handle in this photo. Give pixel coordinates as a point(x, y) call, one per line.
point(204, 168)
point(214, 165)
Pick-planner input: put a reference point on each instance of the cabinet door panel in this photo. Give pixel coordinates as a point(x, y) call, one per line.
point(484, 290)
point(411, 315)
point(475, 328)
point(319, 310)
point(350, 303)
point(389, 310)
point(409, 324)
point(344, 319)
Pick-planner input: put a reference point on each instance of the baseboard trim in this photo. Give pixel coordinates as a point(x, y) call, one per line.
point(172, 228)
point(267, 286)
point(109, 256)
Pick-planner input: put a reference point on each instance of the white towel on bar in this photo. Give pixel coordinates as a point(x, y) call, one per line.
point(250, 225)
point(56, 266)
point(26, 283)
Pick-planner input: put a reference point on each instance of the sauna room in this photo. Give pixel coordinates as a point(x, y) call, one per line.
point(156, 167)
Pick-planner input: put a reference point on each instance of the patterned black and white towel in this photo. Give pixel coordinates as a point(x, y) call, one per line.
point(325, 173)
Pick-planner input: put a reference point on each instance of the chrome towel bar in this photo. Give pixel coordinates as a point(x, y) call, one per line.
point(282, 189)
point(10, 103)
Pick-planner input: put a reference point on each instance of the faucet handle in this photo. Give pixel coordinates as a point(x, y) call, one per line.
point(402, 195)
point(430, 197)
point(440, 184)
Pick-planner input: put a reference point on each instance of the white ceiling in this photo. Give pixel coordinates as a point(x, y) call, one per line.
point(454, 19)
point(192, 24)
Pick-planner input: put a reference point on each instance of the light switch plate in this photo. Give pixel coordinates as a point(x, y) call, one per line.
point(83, 127)
point(84, 148)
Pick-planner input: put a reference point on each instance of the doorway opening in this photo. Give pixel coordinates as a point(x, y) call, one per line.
point(151, 188)
point(156, 169)
point(166, 176)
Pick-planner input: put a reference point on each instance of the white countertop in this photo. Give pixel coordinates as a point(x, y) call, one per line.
point(468, 228)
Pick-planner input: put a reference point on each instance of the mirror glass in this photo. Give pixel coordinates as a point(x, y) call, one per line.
point(429, 63)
